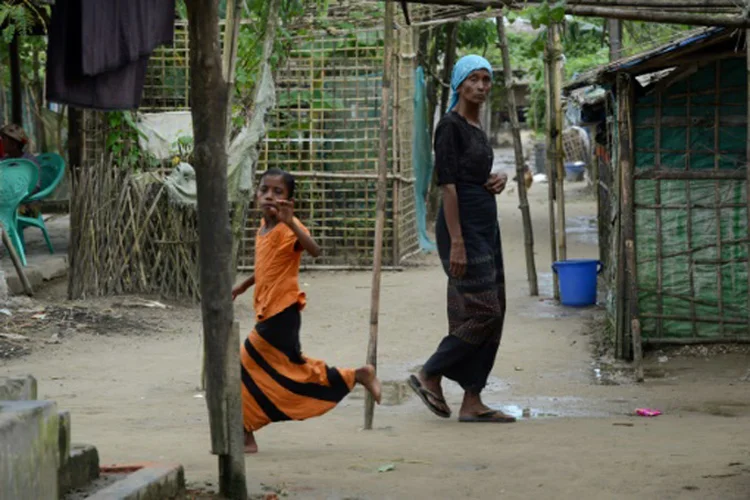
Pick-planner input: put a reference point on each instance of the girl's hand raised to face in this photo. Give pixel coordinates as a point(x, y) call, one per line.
point(286, 211)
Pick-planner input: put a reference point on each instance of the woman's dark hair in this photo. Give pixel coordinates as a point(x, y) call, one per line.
point(285, 176)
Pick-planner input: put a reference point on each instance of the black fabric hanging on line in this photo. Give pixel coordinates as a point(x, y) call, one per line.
point(98, 51)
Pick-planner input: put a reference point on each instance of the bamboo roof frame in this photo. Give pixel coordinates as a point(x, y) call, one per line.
point(727, 13)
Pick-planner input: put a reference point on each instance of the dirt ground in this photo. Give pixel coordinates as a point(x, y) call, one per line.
point(129, 374)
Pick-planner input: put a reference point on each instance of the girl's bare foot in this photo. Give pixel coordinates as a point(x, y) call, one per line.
point(250, 445)
point(366, 376)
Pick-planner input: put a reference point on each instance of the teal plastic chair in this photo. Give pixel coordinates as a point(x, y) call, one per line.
point(52, 171)
point(18, 178)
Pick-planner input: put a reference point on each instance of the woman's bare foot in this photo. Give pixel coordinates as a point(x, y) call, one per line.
point(250, 445)
point(366, 376)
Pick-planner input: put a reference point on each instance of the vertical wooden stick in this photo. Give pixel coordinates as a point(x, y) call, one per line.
point(556, 56)
point(689, 211)
point(551, 155)
point(628, 217)
point(17, 263)
point(377, 261)
point(717, 198)
point(16, 90)
point(523, 199)
point(659, 239)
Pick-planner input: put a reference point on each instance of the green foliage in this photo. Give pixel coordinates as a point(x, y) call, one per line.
point(122, 140)
point(19, 17)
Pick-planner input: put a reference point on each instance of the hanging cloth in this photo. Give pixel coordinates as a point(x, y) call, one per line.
point(98, 51)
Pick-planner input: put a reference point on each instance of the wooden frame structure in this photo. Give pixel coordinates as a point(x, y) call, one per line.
point(679, 250)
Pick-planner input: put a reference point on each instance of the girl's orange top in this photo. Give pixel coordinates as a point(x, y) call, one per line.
point(277, 259)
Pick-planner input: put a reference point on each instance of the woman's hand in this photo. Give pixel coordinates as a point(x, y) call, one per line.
point(496, 183)
point(458, 259)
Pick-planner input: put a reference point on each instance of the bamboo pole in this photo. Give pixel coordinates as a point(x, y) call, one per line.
point(372, 347)
point(17, 263)
point(624, 91)
point(551, 144)
point(640, 4)
point(523, 198)
point(556, 44)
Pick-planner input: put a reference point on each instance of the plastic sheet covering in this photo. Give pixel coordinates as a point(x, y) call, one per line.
point(163, 129)
point(422, 159)
point(700, 253)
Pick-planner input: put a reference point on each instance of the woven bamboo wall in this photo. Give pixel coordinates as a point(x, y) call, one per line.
point(325, 130)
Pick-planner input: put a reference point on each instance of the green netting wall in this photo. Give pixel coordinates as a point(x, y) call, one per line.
point(691, 235)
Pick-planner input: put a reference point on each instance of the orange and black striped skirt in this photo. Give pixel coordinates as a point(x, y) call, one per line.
point(279, 383)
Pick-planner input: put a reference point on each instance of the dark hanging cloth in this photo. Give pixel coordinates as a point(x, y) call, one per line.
point(98, 51)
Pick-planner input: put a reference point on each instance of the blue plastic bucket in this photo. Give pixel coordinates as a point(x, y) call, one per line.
point(577, 280)
point(575, 171)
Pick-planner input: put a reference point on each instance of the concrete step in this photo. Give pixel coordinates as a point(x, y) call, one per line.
point(36, 452)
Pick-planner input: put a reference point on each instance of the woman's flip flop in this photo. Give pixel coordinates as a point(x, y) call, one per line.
point(425, 395)
point(492, 416)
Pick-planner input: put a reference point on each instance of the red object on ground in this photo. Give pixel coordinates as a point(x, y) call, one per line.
point(647, 412)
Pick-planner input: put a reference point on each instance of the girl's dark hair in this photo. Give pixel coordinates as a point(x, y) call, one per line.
point(285, 176)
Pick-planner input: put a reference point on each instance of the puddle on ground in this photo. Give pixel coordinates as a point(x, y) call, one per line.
point(525, 413)
point(609, 373)
point(545, 307)
point(558, 407)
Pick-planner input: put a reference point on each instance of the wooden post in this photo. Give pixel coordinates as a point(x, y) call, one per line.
point(615, 39)
point(448, 63)
point(16, 91)
point(210, 95)
point(625, 103)
point(551, 155)
point(377, 260)
point(17, 263)
point(515, 127)
point(556, 43)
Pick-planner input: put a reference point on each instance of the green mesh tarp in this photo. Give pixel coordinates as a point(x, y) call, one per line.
point(700, 253)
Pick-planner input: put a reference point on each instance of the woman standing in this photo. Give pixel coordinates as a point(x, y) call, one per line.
point(468, 237)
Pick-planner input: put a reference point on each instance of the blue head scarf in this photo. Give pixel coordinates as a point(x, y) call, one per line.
point(461, 71)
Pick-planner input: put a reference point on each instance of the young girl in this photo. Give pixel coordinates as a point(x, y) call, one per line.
point(278, 382)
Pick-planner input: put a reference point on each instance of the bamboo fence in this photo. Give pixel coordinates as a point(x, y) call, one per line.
point(325, 130)
point(128, 238)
